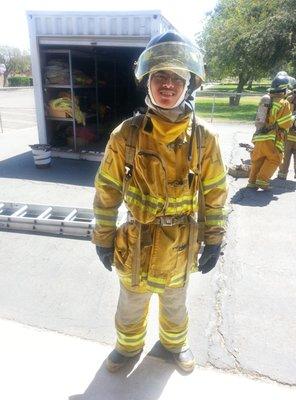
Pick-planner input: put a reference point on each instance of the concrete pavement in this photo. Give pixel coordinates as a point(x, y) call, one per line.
point(37, 364)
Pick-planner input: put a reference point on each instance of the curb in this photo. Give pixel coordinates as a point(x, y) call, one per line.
point(8, 88)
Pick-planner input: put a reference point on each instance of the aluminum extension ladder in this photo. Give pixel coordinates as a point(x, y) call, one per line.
point(55, 220)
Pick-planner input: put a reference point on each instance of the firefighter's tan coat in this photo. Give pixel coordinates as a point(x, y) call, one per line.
point(159, 186)
point(267, 154)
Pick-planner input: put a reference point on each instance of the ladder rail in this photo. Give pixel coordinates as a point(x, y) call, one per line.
point(57, 220)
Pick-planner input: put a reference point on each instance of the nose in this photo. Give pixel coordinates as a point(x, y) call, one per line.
point(168, 82)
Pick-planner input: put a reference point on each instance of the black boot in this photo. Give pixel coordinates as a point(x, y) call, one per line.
point(116, 361)
point(185, 360)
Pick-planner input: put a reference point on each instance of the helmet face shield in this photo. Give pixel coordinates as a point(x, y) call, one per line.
point(168, 56)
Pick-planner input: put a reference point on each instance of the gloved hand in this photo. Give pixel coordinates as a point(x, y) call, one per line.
point(209, 257)
point(106, 255)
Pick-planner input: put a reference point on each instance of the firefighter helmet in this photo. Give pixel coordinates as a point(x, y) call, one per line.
point(281, 73)
point(279, 84)
point(171, 51)
point(291, 80)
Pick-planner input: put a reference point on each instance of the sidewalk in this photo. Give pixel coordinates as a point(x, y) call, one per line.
point(43, 365)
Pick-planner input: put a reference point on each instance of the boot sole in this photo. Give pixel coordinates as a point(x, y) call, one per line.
point(187, 367)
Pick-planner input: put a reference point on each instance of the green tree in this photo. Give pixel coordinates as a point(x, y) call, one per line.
point(249, 39)
point(15, 61)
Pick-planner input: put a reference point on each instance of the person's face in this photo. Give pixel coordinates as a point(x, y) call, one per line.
point(166, 88)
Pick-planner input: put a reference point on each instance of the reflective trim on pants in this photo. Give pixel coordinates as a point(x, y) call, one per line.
point(131, 320)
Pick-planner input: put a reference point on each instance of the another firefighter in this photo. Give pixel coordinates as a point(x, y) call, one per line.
point(269, 139)
point(157, 163)
point(290, 144)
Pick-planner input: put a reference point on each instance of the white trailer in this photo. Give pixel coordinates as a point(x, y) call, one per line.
point(99, 47)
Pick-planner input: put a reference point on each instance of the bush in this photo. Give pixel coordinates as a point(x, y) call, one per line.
point(20, 81)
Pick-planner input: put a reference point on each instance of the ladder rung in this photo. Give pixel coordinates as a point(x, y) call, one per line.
point(20, 211)
point(45, 213)
point(70, 216)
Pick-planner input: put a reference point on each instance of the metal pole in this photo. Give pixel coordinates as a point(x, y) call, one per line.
point(97, 96)
point(213, 108)
point(73, 99)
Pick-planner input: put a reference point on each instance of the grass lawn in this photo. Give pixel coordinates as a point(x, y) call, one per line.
point(245, 112)
point(231, 87)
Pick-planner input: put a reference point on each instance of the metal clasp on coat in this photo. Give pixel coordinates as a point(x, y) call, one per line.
point(166, 221)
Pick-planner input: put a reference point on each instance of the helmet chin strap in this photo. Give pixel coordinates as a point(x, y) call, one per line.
point(183, 74)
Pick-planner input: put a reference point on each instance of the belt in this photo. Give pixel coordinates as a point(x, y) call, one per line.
point(164, 220)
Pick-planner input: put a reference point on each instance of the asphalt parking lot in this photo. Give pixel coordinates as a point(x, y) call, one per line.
point(17, 109)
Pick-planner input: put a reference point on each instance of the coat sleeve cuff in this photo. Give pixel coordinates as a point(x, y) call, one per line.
point(103, 237)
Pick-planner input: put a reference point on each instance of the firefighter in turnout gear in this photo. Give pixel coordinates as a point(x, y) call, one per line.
point(269, 139)
point(290, 144)
point(166, 167)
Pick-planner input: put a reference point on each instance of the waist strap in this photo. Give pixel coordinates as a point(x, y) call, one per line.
point(165, 220)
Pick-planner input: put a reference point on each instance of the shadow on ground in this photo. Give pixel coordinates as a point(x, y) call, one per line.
point(261, 198)
point(72, 172)
point(145, 380)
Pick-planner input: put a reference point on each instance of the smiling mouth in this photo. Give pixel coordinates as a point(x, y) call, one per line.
point(166, 93)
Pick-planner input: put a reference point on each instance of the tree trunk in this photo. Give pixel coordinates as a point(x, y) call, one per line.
point(5, 76)
point(242, 80)
point(250, 83)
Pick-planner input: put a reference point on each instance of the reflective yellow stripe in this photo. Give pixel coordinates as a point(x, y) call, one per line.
point(184, 204)
point(158, 284)
point(130, 341)
point(211, 183)
point(129, 337)
point(262, 183)
point(103, 178)
point(105, 217)
point(276, 105)
point(178, 277)
point(101, 222)
point(155, 201)
point(186, 209)
point(292, 138)
point(280, 145)
point(131, 199)
point(262, 138)
point(215, 222)
point(285, 118)
point(215, 218)
point(172, 337)
point(104, 211)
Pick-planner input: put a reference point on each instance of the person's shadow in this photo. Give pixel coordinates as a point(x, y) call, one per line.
point(137, 380)
point(261, 198)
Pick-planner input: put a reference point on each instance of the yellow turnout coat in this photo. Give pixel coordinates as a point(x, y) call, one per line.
point(163, 184)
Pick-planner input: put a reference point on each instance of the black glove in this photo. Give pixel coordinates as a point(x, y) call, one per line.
point(209, 257)
point(106, 255)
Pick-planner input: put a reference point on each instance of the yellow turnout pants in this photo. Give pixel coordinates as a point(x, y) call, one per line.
point(290, 149)
point(131, 319)
point(265, 160)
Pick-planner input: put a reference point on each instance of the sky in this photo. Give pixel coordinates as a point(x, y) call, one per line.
point(185, 15)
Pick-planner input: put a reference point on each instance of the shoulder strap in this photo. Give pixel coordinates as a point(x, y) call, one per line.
point(201, 214)
point(130, 149)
